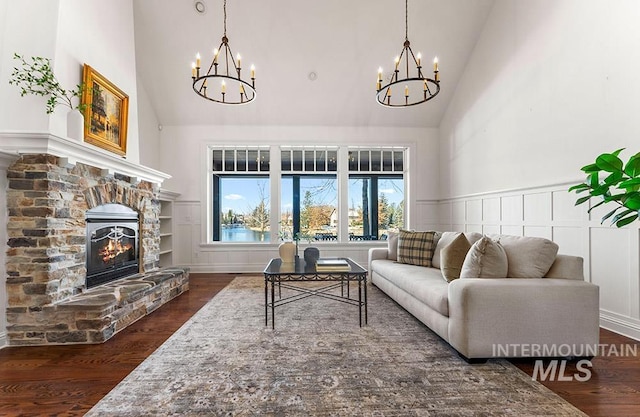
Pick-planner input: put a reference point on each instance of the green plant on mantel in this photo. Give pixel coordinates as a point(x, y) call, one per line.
point(35, 76)
point(613, 181)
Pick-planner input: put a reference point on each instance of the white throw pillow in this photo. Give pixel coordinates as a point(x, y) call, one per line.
point(528, 257)
point(486, 259)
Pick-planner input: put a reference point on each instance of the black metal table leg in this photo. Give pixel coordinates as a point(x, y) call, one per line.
point(360, 300)
point(366, 314)
point(273, 305)
point(266, 302)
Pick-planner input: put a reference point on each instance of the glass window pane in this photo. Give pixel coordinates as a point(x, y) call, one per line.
point(252, 160)
point(321, 157)
point(285, 160)
point(387, 161)
point(359, 210)
point(217, 160)
point(364, 160)
point(241, 162)
point(390, 205)
point(229, 160)
point(297, 160)
point(353, 160)
point(332, 160)
point(264, 160)
point(398, 165)
point(318, 204)
point(375, 161)
point(309, 160)
point(244, 209)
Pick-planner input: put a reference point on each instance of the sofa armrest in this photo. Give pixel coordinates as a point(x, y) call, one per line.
point(488, 314)
point(567, 267)
point(377, 253)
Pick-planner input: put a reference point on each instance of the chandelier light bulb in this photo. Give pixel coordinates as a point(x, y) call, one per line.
point(193, 70)
point(435, 64)
point(419, 58)
point(215, 55)
point(238, 58)
point(253, 71)
point(223, 87)
point(198, 60)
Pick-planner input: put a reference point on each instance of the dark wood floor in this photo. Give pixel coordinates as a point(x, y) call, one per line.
point(69, 380)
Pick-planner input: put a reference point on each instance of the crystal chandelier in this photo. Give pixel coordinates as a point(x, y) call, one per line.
point(417, 87)
point(222, 82)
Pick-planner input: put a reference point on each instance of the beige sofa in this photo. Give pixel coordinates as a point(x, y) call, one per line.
point(553, 316)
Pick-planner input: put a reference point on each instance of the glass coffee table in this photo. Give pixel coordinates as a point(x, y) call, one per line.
point(291, 275)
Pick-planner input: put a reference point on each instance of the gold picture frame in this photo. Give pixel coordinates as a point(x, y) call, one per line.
point(106, 110)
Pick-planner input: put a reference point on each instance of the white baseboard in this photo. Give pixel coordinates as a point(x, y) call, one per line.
point(226, 269)
point(623, 325)
point(3, 340)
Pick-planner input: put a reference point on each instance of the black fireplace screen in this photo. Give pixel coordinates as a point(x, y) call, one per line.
point(112, 249)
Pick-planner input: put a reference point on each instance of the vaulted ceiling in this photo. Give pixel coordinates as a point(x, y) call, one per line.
point(343, 42)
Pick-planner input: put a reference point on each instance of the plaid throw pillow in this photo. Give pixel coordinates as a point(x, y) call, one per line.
point(416, 248)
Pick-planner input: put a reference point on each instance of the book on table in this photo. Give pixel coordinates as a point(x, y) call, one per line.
point(332, 264)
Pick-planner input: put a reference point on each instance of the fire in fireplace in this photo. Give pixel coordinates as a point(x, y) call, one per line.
point(112, 243)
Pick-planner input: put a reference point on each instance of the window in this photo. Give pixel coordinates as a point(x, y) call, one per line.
point(315, 183)
point(240, 191)
point(376, 193)
point(309, 193)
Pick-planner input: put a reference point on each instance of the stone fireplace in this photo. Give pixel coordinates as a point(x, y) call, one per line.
point(57, 212)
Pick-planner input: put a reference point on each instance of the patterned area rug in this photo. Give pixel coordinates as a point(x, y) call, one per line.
point(318, 362)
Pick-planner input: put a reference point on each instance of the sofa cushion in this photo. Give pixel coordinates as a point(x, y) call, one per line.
point(528, 257)
point(445, 239)
point(392, 245)
point(452, 257)
point(425, 284)
point(486, 259)
point(416, 248)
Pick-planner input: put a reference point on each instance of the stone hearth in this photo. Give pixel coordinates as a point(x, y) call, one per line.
point(48, 302)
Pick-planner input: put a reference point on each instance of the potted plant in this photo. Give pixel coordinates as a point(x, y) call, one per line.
point(613, 181)
point(35, 76)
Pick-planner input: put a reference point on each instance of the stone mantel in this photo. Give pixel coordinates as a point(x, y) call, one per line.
point(72, 151)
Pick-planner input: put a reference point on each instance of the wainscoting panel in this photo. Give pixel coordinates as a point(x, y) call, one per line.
point(611, 255)
point(610, 268)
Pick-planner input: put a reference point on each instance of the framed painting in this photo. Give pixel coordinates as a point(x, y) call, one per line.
point(106, 110)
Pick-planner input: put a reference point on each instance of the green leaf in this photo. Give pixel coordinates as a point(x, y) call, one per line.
point(609, 162)
point(626, 221)
point(594, 180)
point(582, 200)
point(621, 215)
point(579, 187)
point(632, 200)
point(632, 168)
point(594, 206)
point(590, 168)
point(614, 178)
point(600, 190)
point(609, 214)
point(616, 153)
point(629, 183)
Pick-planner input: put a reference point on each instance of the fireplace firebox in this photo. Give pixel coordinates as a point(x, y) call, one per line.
point(112, 243)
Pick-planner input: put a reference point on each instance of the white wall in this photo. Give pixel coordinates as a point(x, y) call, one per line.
point(101, 34)
point(183, 153)
point(149, 135)
point(19, 36)
point(70, 33)
point(550, 85)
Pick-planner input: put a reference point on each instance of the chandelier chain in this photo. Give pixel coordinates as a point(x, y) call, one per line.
point(406, 20)
point(224, 8)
